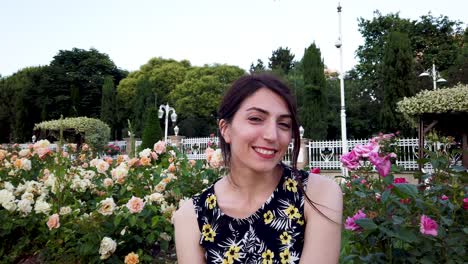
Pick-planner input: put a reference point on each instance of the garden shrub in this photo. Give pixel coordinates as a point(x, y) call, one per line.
point(96, 133)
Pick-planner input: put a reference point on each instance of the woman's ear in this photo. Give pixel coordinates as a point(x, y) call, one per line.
point(224, 130)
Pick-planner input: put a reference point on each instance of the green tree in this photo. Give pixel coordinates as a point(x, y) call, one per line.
point(396, 75)
point(259, 67)
point(281, 60)
point(200, 94)
point(108, 105)
point(459, 71)
point(152, 131)
point(313, 112)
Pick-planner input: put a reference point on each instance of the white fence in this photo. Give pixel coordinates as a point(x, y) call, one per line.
point(323, 154)
point(326, 154)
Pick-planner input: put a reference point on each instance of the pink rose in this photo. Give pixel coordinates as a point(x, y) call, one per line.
point(465, 203)
point(382, 164)
point(315, 170)
point(159, 147)
point(364, 151)
point(154, 155)
point(135, 205)
point(400, 180)
point(350, 160)
point(350, 223)
point(428, 226)
point(54, 221)
point(444, 197)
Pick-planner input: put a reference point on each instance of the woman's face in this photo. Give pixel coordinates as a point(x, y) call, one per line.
point(259, 133)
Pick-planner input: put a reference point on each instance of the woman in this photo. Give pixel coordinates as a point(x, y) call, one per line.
point(257, 213)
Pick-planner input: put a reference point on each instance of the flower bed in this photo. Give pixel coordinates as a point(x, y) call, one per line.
point(71, 207)
point(389, 220)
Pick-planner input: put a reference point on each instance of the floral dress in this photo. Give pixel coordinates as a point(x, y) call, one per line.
point(273, 234)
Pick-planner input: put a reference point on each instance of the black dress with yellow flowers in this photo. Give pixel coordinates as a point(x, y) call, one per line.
point(273, 234)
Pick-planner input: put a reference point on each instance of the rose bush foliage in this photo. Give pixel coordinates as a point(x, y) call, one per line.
point(392, 220)
point(73, 207)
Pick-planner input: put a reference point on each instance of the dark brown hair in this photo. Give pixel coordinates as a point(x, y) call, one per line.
point(243, 88)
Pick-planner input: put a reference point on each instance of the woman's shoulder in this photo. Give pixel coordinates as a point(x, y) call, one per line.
point(327, 195)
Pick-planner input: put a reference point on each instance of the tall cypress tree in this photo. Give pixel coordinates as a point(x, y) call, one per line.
point(396, 80)
point(108, 104)
point(312, 112)
point(152, 131)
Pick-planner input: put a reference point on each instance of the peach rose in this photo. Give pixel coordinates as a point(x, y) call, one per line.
point(160, 147)
point(172, 168)
point(54, 221)
point(145, 161)
point(131, 258)
point(135, 205)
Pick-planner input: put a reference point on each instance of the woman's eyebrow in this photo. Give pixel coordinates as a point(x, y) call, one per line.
point(266, 112)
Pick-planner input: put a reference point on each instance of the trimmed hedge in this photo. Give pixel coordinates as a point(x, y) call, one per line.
point(447, 100)
point(96, 133)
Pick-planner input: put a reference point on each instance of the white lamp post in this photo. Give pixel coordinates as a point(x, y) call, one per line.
point(435, 76)
point(167, 109)
point(339, 45)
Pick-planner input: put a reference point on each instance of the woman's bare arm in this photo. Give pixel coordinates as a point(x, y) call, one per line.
point(322, 237)
point(187, 235)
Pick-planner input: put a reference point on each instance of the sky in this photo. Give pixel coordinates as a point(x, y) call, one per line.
point(234, 32)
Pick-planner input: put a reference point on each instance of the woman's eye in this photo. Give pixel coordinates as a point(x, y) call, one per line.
point(285, 125)
point(255, 119)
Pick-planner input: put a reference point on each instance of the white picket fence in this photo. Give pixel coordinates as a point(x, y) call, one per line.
point(322, 154)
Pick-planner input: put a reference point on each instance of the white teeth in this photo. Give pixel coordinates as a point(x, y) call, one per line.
point(264, 151)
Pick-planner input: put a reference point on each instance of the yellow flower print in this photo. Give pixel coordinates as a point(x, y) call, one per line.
point(228, 261)
point(285, 238)
point(268, 217)
point(232, 253)
point(285, 256)
point(300, 221)
point(291, 185)
point(208, 233)
point(211, 201)
point(267, 257)
point(292, 212)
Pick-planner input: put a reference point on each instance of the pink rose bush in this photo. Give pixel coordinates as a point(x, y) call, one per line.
point(419, 216)
point(84, 208)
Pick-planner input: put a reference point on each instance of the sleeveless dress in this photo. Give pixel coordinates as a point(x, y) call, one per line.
point(273, 234)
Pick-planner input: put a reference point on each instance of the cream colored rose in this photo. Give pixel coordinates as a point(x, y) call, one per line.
point(107, 206)
point(24, 153)
point(135, 205)
point(42, 207)
point(53, 222)
point(209, 153)
point(65, 210)
point(107, 248)
point(24, 206)
point(156, 197)
point(108, 182)
point(145, 153)
point(102, 166)
point(217, 159)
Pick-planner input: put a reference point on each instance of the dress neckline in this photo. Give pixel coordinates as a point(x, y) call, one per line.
point(257, 213)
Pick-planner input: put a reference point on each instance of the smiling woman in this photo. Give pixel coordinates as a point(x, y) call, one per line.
point(257, 213)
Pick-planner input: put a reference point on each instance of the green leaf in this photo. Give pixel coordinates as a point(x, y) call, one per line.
point(385, 196)
point(117, 220)
point(403, 190)
point(360, 194)
point(397, 220)
point(154, 221)
point(465, 229)
point(132, 220)
point(406, 235)
point(447, 221)
point(366, 223)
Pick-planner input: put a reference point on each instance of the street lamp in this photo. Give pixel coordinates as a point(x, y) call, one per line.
point(435, 76)
point(167, 109)
point(339, 45)
point(176, 130)
point(301, 131)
